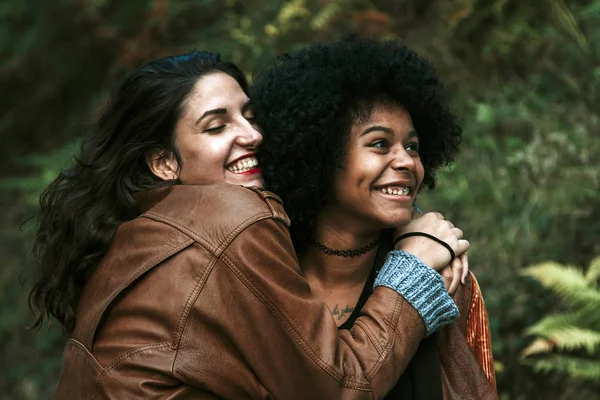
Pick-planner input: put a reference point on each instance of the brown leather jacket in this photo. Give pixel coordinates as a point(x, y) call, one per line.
point(201, 297)
point(464, 348)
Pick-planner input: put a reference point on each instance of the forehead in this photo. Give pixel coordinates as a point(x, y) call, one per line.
point(384, 114)
point(215, 90)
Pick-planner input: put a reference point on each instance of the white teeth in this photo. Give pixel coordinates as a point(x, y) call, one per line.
point(243, 165)
point(396, 190)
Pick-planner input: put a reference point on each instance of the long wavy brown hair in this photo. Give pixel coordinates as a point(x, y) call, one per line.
point(83, 207)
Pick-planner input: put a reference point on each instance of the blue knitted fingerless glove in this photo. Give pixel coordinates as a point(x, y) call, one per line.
point(421, 286)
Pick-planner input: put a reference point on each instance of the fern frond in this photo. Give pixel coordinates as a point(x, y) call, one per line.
point(551, 323)
point(593, 272)
point(588, 316)
point(539, 345)
point(565, 332)
point(577, 330)
point(575, 367)
point(566, 281)
point(573, 338)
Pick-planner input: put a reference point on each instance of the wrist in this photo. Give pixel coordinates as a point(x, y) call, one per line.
point(413, 246)
point(421, 286)
point(428, 236)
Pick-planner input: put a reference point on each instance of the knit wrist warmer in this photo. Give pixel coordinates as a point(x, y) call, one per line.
point(421, 286)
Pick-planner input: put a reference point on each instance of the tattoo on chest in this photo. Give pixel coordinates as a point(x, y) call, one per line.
point(341, 313)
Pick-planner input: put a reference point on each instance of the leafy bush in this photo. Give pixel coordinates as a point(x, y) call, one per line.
point(570, 340)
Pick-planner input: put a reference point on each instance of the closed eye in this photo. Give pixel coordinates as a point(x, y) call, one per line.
point(216, 129)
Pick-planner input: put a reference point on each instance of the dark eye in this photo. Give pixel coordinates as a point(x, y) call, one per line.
point(380, 143)
point(414, 146)
point(216, 129)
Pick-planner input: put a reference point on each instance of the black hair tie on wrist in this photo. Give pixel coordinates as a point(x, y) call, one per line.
point(427, 235)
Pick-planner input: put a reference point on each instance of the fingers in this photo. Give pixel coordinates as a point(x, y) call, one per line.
point(440, 232)
point(465, 261)
point(461, 246)
point(456, 267)
point(436, 214)
point(447, 276)
point(455, 273)
point(457, 232)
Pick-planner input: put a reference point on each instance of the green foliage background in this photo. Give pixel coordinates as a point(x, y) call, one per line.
point(575, 332)
point(524, 76)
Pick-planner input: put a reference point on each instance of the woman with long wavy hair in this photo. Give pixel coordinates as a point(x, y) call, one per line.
point(173, 273)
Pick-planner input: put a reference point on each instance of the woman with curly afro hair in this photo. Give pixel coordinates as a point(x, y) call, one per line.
point(352, 131)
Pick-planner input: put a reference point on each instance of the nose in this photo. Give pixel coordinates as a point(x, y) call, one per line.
point(402, 160)
point(248, 136)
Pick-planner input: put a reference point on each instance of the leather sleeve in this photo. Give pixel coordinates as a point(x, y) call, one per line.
point(462, 374)
point(478, 333)
point(257, 331)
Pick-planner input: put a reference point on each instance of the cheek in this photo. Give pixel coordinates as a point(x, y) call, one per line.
point(365, 170)
point(369, 167)
point(354, 181)
point(204, 157)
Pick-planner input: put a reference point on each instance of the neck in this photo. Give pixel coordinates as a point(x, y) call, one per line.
point(328, 272)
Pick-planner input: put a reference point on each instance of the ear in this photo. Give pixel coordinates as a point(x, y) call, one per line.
point(163, 165)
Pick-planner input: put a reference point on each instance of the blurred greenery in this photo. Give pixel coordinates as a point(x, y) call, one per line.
point(574, 333)
point(524, 76)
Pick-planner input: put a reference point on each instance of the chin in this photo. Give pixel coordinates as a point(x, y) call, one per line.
point(248, 179)
point(396, 219)
point(258, 181)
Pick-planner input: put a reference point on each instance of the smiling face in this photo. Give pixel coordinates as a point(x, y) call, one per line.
point(215, 137)
point(382, 172)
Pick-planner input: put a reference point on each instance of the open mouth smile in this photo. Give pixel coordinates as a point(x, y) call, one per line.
point(395, 190)
point(245, 165)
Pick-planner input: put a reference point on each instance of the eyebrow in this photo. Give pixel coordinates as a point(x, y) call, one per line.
point(411, 134)
point(218, 111)
point(211, 112)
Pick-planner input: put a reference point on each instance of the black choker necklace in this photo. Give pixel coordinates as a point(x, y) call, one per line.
point(344, 253)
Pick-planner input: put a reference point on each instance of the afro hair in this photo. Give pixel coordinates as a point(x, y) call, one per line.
point(306, 103)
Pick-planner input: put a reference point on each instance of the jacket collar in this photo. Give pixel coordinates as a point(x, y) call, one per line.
point(149, 198)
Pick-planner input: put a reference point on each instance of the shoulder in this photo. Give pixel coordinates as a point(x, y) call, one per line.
point(214, 212)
